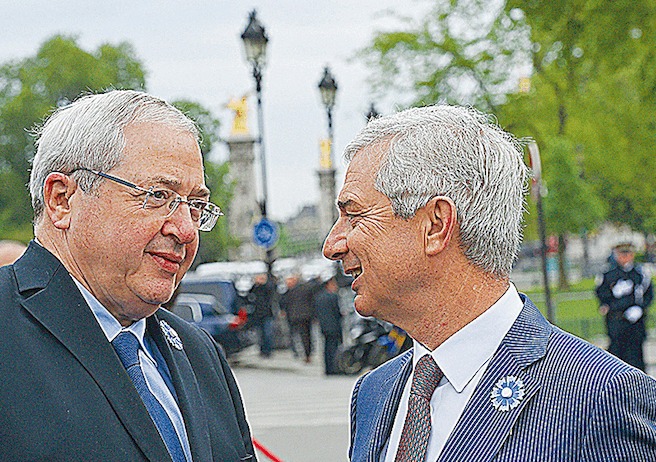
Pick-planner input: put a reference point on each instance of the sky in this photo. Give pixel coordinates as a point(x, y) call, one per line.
point(193, 50)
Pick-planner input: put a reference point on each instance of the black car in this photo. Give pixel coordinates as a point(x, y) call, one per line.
point(216, 307)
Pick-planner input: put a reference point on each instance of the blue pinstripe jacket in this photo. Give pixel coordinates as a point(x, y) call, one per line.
point(581, 404)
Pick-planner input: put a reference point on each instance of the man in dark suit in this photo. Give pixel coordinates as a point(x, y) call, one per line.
point(92, 367)
point(429, 227)
point(329, 314)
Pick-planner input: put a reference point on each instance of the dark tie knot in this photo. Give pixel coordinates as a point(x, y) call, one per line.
point(426, 378)
point(127, 348)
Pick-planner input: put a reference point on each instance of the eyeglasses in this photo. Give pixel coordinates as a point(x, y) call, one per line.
point(204, 214)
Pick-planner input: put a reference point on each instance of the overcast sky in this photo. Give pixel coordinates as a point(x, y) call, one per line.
point(193, 50)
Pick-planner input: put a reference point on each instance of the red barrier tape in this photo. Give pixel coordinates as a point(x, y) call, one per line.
point(265, 451)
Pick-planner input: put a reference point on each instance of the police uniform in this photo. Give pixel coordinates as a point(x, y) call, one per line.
point(627, 291)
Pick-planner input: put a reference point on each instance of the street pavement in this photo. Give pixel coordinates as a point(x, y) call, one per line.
point(299, 414)
point(294, 410)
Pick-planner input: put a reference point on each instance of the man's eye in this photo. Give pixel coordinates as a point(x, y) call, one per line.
point(197, 204)
point(160, 195)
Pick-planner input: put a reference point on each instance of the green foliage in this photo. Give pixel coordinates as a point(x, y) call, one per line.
point(571, 205)
point(29, 89)
point(214, 246)
point(208, 124)
point(459, 52)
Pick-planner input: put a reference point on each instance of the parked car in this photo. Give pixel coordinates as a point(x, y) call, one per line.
point(215, 306)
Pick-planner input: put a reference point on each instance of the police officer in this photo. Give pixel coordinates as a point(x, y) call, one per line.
point(625, 292)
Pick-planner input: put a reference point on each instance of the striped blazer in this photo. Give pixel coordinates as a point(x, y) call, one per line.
point(580, 403)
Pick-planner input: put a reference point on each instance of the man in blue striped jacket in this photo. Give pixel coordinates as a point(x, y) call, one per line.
point(429, 227)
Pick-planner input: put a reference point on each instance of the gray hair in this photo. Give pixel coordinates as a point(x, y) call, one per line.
point(89, 133)
point(460, 153)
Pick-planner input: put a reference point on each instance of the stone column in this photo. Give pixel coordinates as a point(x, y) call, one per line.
point(244, 210)
point(326, 206)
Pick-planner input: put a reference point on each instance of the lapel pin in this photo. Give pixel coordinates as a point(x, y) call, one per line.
point(171, 335)
point(507, 393)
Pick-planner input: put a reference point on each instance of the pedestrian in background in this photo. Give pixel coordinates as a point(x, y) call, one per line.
point(625, 292)
point(326, 304)
point(297, 305)
point(261, 298)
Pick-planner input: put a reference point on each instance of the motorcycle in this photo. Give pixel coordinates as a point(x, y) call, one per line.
point(374, 342)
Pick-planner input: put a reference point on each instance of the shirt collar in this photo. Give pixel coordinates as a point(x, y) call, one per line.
point(109, 324)
point(463, 354)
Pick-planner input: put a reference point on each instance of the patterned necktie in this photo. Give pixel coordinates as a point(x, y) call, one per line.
point(417, 426)
point(127, 348)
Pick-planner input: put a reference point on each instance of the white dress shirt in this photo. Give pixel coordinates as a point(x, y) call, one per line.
point(463, 358)
point(111, 327)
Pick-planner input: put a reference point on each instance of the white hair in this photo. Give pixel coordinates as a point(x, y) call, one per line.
point(460, 153)
point(89, 133)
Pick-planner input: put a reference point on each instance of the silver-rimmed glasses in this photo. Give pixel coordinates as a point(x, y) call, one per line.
point(204, 214)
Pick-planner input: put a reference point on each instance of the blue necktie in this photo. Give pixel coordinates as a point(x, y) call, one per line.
point(127, 348)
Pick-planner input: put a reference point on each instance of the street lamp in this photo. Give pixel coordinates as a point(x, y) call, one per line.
point(327, 210)
point(328, 89)
point(255, 44)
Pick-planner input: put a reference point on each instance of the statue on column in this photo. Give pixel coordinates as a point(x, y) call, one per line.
point(240, 122)
point(325, 160)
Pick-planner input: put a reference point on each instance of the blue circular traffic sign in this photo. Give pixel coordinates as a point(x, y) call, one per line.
point(265, 233)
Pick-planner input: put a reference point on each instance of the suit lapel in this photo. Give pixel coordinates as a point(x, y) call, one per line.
point(482, 429)
point(56, 303)
point(189, 398)
point(389, 404)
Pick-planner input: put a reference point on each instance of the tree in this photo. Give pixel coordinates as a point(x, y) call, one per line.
point(567, 191)
point(29, 89)
point(208, 124)
point(592, 85)
point(458, 52)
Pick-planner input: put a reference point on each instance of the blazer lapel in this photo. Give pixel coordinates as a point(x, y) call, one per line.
point(482, 429)
point(388, 405)
point(55, 301)
point(186, 388)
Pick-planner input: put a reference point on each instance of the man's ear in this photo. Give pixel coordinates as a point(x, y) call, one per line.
point(57, 192)
point(441, 225)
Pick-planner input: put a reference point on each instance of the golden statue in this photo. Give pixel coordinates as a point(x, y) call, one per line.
point(326, 161)
point(240, 108)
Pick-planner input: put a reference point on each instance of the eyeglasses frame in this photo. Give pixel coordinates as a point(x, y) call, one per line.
point(149, 192)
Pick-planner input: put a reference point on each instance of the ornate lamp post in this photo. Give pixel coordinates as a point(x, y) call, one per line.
point(255, 44)
point(328, 89)
point(327, 211)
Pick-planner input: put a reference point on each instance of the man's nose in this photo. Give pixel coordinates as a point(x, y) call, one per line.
point(181, 225)
point(334, 247)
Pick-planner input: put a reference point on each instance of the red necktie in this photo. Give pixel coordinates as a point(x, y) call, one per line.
point(417, 426)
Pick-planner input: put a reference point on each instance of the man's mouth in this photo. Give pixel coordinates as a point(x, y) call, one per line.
point(169, 262)
point(354, 272)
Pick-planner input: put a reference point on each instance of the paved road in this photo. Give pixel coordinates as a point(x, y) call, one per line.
point(294, 410)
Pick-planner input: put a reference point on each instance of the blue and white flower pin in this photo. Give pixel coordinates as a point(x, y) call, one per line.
point(171, 335)
point(507, 393)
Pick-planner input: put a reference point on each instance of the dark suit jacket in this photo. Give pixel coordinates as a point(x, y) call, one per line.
point(65, 395)
point(580, 404)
